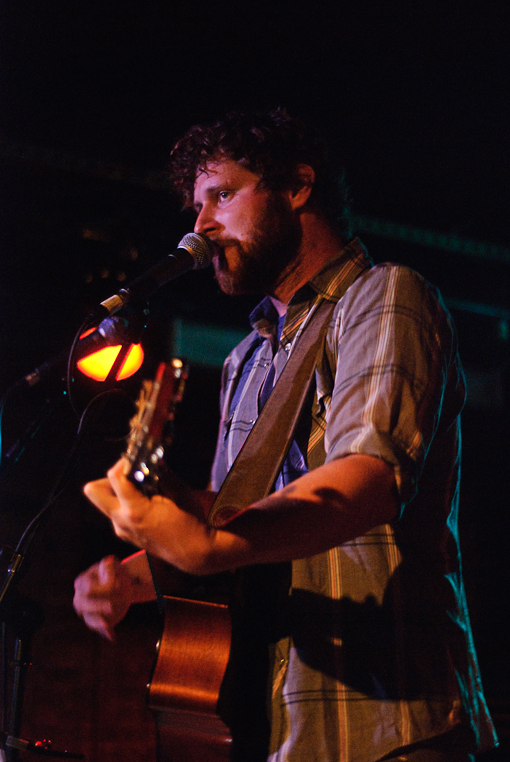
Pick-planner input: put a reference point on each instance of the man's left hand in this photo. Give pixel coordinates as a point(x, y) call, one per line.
point(170, 526)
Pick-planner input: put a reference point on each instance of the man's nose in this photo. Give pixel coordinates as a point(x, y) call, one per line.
point(206, 222)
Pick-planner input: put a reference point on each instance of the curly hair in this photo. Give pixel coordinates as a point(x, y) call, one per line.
point(271, 145)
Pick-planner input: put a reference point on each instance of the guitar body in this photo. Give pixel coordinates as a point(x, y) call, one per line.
point(183, 695)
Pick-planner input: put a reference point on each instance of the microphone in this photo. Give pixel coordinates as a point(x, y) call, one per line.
point(194, 252)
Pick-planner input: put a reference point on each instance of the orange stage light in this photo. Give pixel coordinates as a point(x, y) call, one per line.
point(98, 364)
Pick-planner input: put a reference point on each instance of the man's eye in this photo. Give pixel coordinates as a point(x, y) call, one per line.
point(224, 195)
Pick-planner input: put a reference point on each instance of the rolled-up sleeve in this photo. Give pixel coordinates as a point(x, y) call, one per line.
point(395, 355)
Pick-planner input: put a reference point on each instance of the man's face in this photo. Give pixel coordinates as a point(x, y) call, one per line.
point(255, 231)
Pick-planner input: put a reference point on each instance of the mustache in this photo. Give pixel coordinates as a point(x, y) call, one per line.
point(222, 243)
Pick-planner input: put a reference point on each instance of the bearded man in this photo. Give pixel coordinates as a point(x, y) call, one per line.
point(348, 606)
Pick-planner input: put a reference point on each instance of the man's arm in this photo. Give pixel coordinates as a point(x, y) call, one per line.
point(330, 505)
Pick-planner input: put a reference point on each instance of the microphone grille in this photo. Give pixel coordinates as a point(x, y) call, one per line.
point(199, 248)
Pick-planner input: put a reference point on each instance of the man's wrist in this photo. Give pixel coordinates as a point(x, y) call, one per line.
point(139, 578)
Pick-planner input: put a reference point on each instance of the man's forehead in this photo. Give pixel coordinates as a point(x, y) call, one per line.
point(222, 170)
point(211, 168)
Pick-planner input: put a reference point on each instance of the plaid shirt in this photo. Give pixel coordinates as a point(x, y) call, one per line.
point(378, 652)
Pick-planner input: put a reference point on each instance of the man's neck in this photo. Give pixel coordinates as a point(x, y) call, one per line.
point(280, 307)
point(319, 245)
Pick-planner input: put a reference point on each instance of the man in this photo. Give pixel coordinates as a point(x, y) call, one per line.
point(348, 593)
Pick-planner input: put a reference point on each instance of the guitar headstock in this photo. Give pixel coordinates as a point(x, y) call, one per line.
point(151, 426)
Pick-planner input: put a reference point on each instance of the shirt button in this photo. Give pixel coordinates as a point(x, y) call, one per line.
point(287, 347)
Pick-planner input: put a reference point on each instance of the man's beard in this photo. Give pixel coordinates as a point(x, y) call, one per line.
point(269, 256)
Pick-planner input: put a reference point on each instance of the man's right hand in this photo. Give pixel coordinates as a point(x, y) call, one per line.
point(103, 595)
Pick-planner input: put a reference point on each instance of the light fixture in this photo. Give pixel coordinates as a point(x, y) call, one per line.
point(98, 364)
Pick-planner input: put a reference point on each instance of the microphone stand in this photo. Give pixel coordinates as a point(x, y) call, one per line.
point(23, 615)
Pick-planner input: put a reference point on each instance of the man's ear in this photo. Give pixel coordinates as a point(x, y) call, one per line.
point(300, 192)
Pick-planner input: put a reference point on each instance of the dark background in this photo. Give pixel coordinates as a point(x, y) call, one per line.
point(415, 97)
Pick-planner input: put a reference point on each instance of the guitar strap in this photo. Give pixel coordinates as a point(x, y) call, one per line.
point(260, 459)
point(257, 465)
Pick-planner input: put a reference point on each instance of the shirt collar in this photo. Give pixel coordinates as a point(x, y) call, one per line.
point(328, 283)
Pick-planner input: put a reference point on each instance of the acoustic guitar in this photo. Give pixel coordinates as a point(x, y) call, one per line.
point(193, 651)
